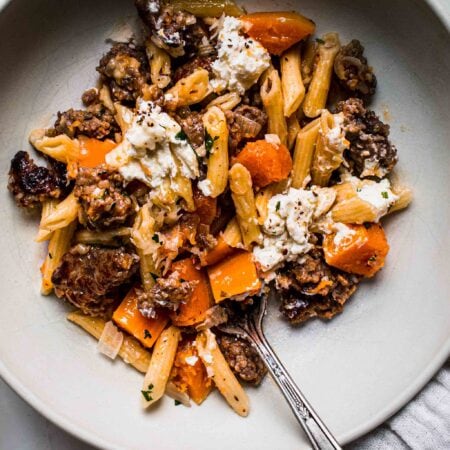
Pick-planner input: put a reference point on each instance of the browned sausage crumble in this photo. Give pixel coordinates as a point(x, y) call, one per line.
point(313, 289)
point(90, 277)
point(242, 358)
point(371, 154)
point(102, 196)
point(31, 184)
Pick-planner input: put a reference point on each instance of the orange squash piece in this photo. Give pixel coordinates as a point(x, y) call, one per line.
point(362, 253)
point(205, 207)
point(267, 163)
point(277, 31)
point(93, 151)
point(194, 310)
point(217, 253)
point(234, 276)
point(128, 317)
point(189, 373)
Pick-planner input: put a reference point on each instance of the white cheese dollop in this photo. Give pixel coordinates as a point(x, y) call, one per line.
point(240, 60)
point(336, 135)
point(285, 230)
point(155, 148)
point(205, 187)
point(343, 232)
point(379, 195)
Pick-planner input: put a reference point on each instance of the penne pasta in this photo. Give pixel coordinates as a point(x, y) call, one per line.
point(291, 80)
point(124, 117)
point(60, 147)
point(189, 90)
point(206, 8)
point(131, 350)
point(62, 215)
point(226, 102)
point(328, 154)
point(220, 371)
point(308, 59)
point(293, 130)
point(104, 96)
point(161, 363)
point(317, 94)
point(106, 237)
point(264, 195)
point(353, 210)
point(47, 208)
point(244, 201)
point(182, 186)
point(59, 245)
point(272, 98)
point(160, 65)
point(232, 234)
point(216, 130)
point(404, 198)
point(303, 155)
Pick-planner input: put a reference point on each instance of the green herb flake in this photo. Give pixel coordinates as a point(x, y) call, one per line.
point(373, 258)
point(277, 207)
point(358, 189)
point(155, 238)
point(320, 41)
point(177, 402)
point(147, 334)
point(209, 142)
point(384, 194)
point(147, 393)
point(181, 135)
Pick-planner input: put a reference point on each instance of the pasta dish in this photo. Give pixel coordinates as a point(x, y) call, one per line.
point(221, 155)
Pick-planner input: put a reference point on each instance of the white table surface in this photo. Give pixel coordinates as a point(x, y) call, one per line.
point(424, 424)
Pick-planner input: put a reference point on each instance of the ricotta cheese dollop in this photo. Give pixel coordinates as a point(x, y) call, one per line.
point(156, 148)
point(286, 228)
point(240, 60)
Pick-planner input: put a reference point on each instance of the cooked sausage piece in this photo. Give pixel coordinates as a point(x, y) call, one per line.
point(242, 358)
point(313, 289)
point(371, 154)
point(90, 277)
point(102, 197)
point(125, 69)
point(352, 70)
point(31, 184)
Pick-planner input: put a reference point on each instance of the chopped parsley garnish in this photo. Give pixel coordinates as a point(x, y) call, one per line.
point(209, 142)
point(147, 334)
point(358, 189)
point(181, 135)
point(320, 41)
point(373, 258)
point(384, 194)
point(147, 393)
point(277, 207)
point(155, 238)
point(177, 402)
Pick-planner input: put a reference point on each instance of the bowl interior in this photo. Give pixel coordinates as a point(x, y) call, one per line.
point(357, 369)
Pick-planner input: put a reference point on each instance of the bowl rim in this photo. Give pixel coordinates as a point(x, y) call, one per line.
point(442, 12)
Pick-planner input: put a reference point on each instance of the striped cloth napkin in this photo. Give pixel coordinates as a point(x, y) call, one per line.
point(423, 424)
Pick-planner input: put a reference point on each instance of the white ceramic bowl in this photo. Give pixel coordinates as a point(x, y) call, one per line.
point(358, 369)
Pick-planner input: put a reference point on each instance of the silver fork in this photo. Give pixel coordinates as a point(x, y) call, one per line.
point(249, 326)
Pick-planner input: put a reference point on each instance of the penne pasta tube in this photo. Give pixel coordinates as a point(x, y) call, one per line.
point(60, 147)
point(62, 215)
point(47, 208)
point(244, 201)
point(206, 8)
point(104, 96)
point(291, 80)
point(293, 130)
point(232, 233)
point(344, 191)
point(216, 130)
point(272, 98)
point(160, 64)
point(404, 198)
point(161, 363)
point(264, 195)
point(303, 155)
point(131, 350)
point(220, 371)
point(106, 237)
point(226, 102)
point(189, 90)
point(309, 56)
point(59, 245)
point(182, 186)
point(353, 210)
point(317, 94)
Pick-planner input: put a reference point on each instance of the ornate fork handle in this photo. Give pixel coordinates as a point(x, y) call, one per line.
point(315, 429)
